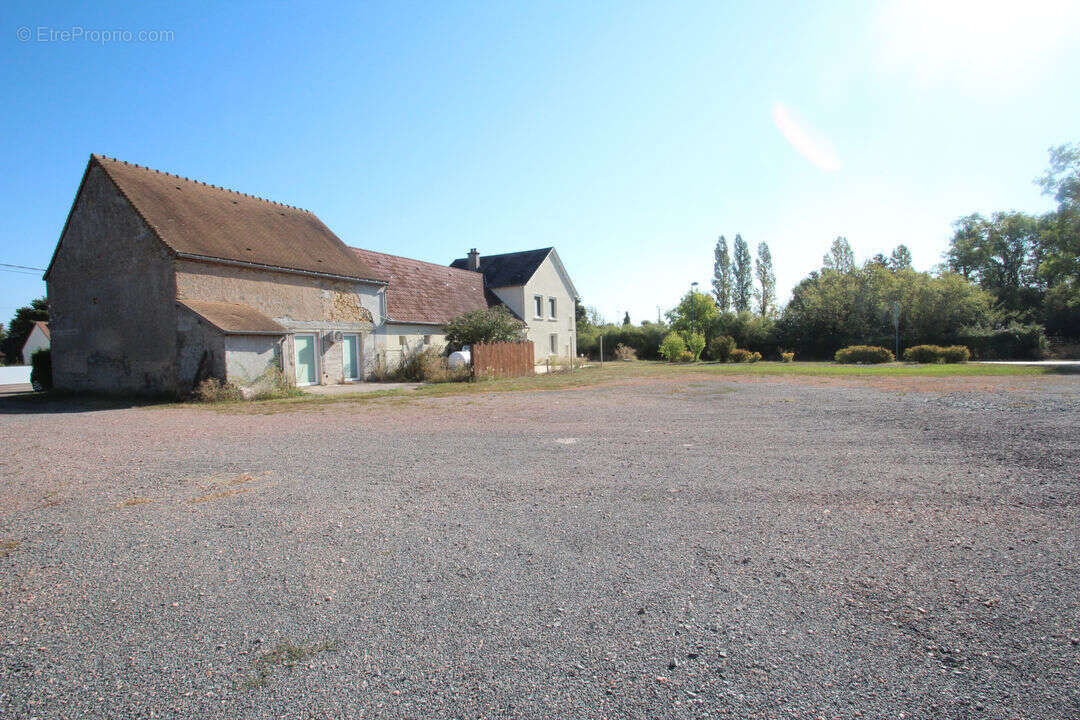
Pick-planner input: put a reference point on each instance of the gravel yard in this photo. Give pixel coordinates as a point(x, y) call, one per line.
point(692, 546)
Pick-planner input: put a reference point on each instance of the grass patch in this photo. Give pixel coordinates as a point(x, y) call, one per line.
point(613, 372)
point(7, 547)
point(285, 655)
point(224, 487)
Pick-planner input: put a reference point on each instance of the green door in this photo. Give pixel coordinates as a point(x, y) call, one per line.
point(350, 356)
point(306, 372)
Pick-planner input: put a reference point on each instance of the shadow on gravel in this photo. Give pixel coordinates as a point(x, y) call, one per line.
point(40, 403)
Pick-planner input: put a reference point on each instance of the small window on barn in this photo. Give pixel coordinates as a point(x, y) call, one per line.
point(427, 339)
point(401, 340)
point(538, 306)
point(551, 308)
point(554, 340)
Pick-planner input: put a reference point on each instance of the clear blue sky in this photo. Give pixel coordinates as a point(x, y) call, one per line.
point(627, 135)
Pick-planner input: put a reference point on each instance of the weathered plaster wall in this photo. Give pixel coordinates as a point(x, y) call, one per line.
point(111, 298)
point(247, 357)
point(388, 340)
point(299, 302)
point(197, 339)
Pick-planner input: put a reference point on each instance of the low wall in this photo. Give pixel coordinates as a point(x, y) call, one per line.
point(14, 374)
point(502, 359)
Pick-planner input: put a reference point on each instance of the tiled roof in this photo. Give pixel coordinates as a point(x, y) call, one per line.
point(424, 292)
point(234, 319)
point(44, 327)
point(194, 218)
point(508, 269)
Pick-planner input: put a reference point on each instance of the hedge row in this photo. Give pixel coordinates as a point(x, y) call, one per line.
point(869, 354)
point(937, 354)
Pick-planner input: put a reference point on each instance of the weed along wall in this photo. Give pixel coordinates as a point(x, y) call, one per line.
point(502, 359)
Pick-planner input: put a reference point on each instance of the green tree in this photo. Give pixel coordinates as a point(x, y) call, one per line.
point(1059, 266)
point(695, 312)
point(695, 344)
point(722, 280)
point(1002, 254)
point(489, 325)
point(900, 258)
point(19, 328)
point(626, 318)
point(742, 276)
point(766, 292)
point(840, 257)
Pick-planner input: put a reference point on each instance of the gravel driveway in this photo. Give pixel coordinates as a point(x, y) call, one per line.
point(664, 548)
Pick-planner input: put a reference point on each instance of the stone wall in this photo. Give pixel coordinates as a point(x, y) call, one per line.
point(111, 298)
point(302, 303)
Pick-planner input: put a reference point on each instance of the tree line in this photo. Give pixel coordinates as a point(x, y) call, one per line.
point(1006, 282)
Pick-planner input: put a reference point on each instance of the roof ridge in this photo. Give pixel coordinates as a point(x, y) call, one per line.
point(102, 156)
point(403, 257)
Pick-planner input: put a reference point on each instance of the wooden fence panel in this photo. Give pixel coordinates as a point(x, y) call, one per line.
point(502, 359)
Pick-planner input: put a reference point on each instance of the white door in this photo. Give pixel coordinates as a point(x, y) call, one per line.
point(307, 373)
point(350, 356)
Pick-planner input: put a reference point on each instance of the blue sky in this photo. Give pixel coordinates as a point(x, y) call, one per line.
point(627, 135)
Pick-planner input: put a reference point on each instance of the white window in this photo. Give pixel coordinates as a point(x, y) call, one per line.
point(554, 340)
point(538, 306)
point(551, 308)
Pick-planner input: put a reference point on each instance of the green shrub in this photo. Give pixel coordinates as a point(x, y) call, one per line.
point(755, 356)
point(685, 357)
point(491, 325)
point(720, 348)
point(787, 356)
point(695, 344)
point(740, 355)
point(41, 372)
point(625, 353)
point(937, 354)
point(869, 354)
point(1013, 342)
point(672, 346)
point(428, 365)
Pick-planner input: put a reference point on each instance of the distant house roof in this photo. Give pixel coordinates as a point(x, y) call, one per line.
point(508, 269)
point(423, 292)
point(203, 221)
point(234, 319)
point(44, 327)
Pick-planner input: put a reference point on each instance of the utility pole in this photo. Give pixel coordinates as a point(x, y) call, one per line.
point(693, 292)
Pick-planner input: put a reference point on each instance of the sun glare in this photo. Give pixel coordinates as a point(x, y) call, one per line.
point(807, 142)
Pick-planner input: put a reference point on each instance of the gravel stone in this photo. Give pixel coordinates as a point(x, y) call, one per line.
point(818, 547)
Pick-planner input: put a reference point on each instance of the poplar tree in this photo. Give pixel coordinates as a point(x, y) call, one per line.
point(766, 293)
point(743, 276)
point(722, 275)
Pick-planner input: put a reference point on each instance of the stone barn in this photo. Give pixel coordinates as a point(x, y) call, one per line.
point(158, 282)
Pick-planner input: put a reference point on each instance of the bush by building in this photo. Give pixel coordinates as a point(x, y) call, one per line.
point(41, 370)
point(721, 347)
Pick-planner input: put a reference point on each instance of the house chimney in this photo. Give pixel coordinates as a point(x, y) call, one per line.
point(474, 260)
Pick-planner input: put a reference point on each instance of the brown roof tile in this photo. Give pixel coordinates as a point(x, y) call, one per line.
point(194, 218)
point(44, 327)
point(424, 292)
point(234, 319)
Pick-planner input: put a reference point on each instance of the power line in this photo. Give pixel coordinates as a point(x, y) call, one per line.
point(19, 272)
point(21, 267)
